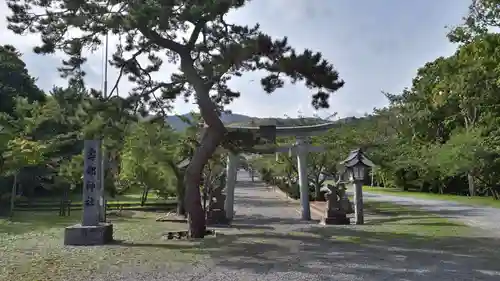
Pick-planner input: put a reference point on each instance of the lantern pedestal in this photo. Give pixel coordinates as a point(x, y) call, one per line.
point(335, 218)
point(334, 213)
point(358, 202)
point(216, 213)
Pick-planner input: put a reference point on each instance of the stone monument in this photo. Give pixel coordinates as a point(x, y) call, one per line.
point(345, 204)
point(334, 213)
point(91, 231)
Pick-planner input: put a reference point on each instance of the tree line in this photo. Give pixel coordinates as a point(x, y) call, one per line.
point(441, 134)
point(41, 140)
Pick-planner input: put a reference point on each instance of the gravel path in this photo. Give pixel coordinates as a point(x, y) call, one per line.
point(262, 248)
point(483, 217)
point(267, 241)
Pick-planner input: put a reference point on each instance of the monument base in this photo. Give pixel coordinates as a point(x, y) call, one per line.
point(79, 235)
point(336, 220)
point(217, 217)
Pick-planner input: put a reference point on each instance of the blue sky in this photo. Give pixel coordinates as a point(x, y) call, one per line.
point(375, 45)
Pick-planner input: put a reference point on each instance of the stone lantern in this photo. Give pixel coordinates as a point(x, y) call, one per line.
point(356, 165)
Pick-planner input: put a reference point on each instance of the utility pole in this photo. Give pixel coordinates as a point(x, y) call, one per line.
point(104, 155)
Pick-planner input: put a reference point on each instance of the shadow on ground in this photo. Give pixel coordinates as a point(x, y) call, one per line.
point(246, 201)
point(267, 244)
point(447, 210)
point(261, 221)
point(257, 184)
point(358, 254)
point(393, 212)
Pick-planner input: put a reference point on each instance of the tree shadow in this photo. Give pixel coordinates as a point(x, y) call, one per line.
point(391, 212)
point(353, 254)
point(247, 201)
point(174, 245)
point(261, 220)
point(388, 209)
point(447, 224)
point(241, 226)
point(450, 209)
point(244, 183)
point(411, 220)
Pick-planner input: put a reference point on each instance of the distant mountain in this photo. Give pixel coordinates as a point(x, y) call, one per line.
point(244, 120)
point(227, 118)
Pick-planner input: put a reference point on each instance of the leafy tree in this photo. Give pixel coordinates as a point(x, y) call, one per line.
point(20, 153)
point(69, 176)
point(483, 16)
point(15, 80)
point(145, 158)
point(209, 55)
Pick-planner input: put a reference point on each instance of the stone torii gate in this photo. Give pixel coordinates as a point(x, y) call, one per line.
point(301, 148)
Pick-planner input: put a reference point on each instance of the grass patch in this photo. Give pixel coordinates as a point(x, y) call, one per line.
point(393, 219)
point(31, 248)
point(473, 201)
point(24, 222)
point(77, 198)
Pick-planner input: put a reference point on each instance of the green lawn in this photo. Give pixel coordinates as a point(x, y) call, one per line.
point(390, 218)
point(31, 247)
point(123, 198)
point(474, 201)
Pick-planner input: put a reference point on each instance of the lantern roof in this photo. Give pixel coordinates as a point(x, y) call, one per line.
point(355, 157)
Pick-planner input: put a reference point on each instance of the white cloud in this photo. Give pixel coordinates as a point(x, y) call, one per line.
point(375, 46)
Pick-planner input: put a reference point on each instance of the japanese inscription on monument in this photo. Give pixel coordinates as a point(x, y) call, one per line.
point(91, 151)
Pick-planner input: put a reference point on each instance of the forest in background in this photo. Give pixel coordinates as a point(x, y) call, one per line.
point(439, 136)
point(41, 139)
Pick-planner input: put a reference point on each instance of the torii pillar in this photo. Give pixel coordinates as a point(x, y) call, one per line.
point(232, 170)
point(302, 148)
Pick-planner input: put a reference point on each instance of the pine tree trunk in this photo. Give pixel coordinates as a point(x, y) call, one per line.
point(212, 137)
point(13, 195)
point(192, 179)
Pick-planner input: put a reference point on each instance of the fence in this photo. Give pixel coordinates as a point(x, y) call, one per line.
point(55, 206)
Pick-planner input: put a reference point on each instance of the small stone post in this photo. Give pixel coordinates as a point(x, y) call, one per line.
point(358, 202)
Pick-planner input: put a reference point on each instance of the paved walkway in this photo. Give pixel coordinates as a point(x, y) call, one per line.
point(269, 242)
point(483, 217)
